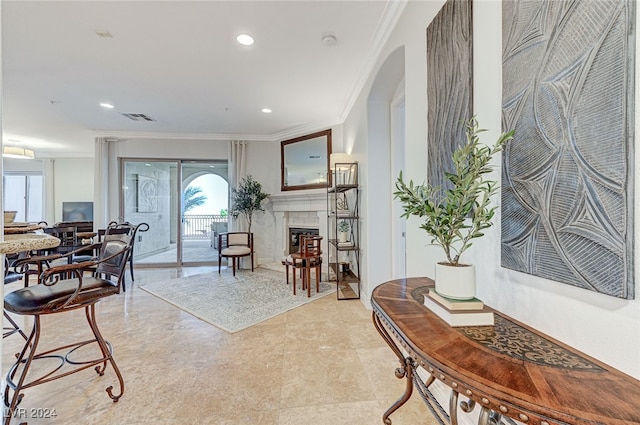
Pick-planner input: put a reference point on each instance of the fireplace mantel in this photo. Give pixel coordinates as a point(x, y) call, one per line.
point(287, 208)
point(299, 201)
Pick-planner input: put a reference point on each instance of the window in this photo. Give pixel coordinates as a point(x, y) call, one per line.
point(24, 194)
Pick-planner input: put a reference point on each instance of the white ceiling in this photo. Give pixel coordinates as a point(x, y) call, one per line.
point(178, 63)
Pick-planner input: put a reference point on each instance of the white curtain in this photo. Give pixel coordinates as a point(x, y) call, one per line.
point(101, 184)
point(237, 171)
point(49, 200)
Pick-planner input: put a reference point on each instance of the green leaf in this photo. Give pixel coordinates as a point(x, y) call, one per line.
point(456, 216)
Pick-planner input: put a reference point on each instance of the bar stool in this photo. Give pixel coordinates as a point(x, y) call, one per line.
point(308, 257)
point(61, 289)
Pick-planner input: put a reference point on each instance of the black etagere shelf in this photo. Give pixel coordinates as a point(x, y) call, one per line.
point(343, 224)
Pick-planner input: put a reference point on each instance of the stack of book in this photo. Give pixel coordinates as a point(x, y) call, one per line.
point(347, 244)
point(471, 312)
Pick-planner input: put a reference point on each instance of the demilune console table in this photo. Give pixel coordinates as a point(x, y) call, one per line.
point(508, 371)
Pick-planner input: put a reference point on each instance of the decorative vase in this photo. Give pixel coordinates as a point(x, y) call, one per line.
point(343, 236)
point(456, 282)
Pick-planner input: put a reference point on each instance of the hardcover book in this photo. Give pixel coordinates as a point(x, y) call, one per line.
point(454, 318)
point(451, 304)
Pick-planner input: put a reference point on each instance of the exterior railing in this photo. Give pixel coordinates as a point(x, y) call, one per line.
point(201, 226)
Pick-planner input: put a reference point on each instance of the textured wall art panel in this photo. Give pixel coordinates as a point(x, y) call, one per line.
point(449, 86)
point(567, 195)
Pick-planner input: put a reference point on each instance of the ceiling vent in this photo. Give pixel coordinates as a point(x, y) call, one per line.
point(138, 117)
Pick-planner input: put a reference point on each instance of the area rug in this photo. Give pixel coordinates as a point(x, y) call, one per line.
point(233, 303)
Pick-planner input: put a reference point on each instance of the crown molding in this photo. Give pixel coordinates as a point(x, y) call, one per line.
point(387, 23)
point(187, 136)
point(276, 137)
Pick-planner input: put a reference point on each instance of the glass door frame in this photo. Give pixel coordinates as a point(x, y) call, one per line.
point(176, 208)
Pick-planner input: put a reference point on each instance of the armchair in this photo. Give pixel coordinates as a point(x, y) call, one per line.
point(235, 245)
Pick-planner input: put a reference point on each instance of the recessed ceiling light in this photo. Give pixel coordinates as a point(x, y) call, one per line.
point(266, 110)
point(245, 39)
point(104, 34)
point(106, 105)
point(329, 40)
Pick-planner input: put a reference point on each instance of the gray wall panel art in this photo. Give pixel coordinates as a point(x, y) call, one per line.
point(449, 86)
point(567, 177)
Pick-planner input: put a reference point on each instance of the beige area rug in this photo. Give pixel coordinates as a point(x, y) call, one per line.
point(235, 303)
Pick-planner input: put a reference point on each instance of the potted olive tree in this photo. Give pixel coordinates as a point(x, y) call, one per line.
point(246, 199)
point(456, 216)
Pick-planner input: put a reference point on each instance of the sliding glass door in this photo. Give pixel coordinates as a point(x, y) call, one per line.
point(185, 205)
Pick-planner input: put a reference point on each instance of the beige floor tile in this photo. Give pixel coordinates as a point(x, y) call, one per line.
point(323, 336)
point(358, 413)
point(321, 363)
point(315, 378)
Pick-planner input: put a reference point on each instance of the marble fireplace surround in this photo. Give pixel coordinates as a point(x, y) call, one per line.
point(307, 210)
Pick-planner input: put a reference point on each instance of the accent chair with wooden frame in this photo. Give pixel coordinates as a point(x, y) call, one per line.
point(235, 245)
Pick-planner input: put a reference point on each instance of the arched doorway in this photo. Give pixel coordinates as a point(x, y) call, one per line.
point(205, 206)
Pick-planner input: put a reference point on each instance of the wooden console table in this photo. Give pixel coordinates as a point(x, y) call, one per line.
point(509, 371)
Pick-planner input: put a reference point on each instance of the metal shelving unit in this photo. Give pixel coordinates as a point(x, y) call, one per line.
point(344, 250)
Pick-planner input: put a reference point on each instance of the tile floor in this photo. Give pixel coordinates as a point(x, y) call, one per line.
point(322, 363)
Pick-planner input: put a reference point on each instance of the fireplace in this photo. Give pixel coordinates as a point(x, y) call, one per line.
point(306, 211)
point(294, 236)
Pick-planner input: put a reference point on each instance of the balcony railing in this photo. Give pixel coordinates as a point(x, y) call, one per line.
point(201, 226)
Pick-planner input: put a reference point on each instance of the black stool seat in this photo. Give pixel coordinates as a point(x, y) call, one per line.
point(43, 299)
point(62, 288)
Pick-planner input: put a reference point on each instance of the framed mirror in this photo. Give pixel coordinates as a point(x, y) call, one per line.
point(304, 161)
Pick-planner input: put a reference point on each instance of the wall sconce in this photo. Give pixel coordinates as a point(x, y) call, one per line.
point(18, 153)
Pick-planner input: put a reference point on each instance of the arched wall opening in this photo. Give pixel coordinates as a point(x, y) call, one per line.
point(385, 154)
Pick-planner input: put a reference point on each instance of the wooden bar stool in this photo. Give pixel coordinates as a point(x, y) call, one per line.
point(308, 257)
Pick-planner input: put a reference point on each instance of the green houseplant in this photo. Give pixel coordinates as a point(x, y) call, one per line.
point(454, 217)
point(246, 199)
point(343, 231)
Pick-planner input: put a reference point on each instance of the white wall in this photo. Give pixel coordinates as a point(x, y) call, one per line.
point(66, 180)
point(604, 327)
point(72, 180)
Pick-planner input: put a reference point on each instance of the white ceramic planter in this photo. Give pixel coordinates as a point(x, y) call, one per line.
point(458, 282)
point(343, 236)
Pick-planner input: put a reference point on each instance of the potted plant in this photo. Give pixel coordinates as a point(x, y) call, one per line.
point(456, 216)
point(246, 199)
point(343, 231)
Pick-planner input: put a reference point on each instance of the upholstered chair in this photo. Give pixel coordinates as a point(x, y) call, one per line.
point(235, 245)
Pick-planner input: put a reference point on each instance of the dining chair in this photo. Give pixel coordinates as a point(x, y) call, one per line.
point(37, 260)
point(62, 289)
point(66, 234)
point(235, 245)
point(131, 230)
point(115, 228)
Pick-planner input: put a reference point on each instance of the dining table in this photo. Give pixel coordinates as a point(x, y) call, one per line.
point(25, 237)
point(24, 242)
